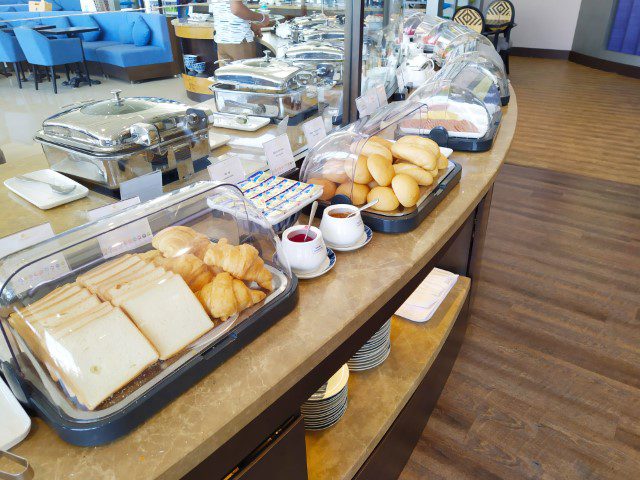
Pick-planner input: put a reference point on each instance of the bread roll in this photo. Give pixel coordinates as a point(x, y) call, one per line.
point(382, 141)
point(356, 192)
point(387, 200)
point(419, 156)
point(333, 170)
point(421, 142)
point(406, 189)
point(420, 175)
point(367, 147)
point(434, 173)
point(358, 172)
point(328, 187)
point(381, 170)
point(443, 162)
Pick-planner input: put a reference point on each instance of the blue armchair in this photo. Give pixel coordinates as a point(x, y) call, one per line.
point(10, 52)
point(46, 52)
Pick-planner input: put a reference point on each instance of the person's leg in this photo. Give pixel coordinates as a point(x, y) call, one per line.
point(224, 53)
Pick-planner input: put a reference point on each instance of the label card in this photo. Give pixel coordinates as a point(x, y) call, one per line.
point(279, 155)
point(146, 187)
point(42, 271)
point(315, 131)
point(367, 103)
point(227, 169)
point(282, 125)
point(125, 238)
point(382, 95)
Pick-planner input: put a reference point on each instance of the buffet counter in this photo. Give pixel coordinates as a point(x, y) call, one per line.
point(221, 418)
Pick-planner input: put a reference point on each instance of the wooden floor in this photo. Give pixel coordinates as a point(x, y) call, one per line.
point(547, 384)
point(576, 119)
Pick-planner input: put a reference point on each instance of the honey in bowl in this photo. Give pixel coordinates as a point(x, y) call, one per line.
point(340, 213)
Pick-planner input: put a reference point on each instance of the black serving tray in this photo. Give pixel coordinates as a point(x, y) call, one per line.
point(440, 135)
point(92, 433)
point(404, 223)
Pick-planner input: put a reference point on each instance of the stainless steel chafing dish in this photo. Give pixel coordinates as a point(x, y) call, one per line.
point(326, 58)
point(264, 87)
point(327, 33)
point(109, 141)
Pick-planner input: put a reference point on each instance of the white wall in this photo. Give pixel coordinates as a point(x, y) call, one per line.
point(548, 24)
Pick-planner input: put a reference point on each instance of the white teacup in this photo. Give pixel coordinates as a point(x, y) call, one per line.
point(304, 256)
point(342, 232)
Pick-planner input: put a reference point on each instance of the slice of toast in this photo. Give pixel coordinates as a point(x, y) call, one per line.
point(108, 353)
point(95, 276)
point(119, 293)
point(123, 277)
point(168, 314)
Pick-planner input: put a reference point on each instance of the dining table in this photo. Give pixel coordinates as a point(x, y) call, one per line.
point(75, 32)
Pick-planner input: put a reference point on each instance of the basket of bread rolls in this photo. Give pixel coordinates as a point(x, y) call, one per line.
point(400, 174)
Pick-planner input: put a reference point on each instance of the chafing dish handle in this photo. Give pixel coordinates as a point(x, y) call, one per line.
point(197, 119)
point(25, 474)
point(145, 134)
point(256, 109)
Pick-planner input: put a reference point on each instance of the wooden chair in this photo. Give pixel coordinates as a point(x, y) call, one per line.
point(500, 18)
point(470, 17)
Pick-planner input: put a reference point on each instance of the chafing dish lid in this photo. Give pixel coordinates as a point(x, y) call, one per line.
point(106, 124)
point(319, 51)
point(256, 73)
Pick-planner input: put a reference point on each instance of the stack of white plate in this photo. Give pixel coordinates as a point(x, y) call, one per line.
point(374, 352)
point(325, 407)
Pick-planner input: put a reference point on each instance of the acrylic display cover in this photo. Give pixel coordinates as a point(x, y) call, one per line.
point(100, 316)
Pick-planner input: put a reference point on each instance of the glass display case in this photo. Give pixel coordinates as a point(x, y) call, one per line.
point(110, 321)
point(372, 159)
point(484, 69)
point(463, 111)
point(471, 42)
point(443, 35)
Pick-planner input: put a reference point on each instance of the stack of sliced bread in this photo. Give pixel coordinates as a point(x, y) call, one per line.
point(99, 333)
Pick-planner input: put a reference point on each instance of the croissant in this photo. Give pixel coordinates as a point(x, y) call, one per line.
point(241, 261)
point(193, 270)
point(176, 241)
point(149, 256)
point(225, 296)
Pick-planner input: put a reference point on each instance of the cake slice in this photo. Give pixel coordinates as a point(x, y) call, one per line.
point(108, 352)
point(168, 314)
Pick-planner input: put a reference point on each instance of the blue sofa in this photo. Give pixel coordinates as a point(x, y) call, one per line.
point(110, 53)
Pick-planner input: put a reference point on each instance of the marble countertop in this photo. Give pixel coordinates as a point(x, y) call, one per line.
point(331, 308)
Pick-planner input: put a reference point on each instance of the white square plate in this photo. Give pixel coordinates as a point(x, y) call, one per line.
point(14, 422)
point(41, 195)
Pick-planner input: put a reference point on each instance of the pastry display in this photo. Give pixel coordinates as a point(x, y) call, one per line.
point(380, 161)
point(99, 333)
point(176, 241)
point(241, 261)
point(225, 296)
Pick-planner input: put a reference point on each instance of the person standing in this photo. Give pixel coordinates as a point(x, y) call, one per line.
point(235, 28)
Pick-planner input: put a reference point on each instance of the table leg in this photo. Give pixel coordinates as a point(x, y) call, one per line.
point(81, 78)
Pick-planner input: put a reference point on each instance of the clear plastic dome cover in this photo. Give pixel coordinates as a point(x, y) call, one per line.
point(453, 105)
point(426, 31)
point(471, 42)
point(478, 74)
point(98, 316)
point(362, 162)
point(445, 33)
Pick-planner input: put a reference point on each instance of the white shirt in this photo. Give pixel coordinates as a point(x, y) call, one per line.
point(227, 27)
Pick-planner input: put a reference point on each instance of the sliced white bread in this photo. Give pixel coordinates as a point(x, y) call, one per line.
point(92, 277)
point(168, 314)
point(120, 293)
point(56, 308)
point(58, 295)
point(107, 353)
point(121, 278)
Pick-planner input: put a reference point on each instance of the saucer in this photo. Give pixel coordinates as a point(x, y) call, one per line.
point(327, 265)
point(362, 241)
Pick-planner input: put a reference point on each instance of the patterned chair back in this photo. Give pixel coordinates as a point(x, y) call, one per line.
point(500, 13)
point(470, 17)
